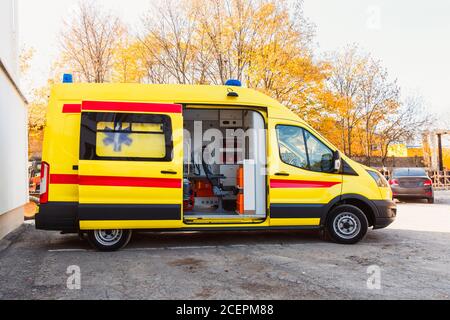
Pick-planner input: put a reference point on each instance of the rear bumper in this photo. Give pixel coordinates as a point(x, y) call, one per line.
point(419, 192)
point(386, 213)
point(58, 216)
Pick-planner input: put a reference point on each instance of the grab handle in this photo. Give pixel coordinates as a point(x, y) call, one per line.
point(282, 174)
point(169, 172)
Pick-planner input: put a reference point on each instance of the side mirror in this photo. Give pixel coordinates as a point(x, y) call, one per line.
point(327, 163)
point(337, 161)
point(331, 163)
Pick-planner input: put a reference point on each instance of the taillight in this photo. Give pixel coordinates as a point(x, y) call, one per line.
point(45, 177)
point(428, 183)
point(393, 182)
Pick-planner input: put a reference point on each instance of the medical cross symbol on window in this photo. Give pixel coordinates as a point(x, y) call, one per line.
point(118, 136)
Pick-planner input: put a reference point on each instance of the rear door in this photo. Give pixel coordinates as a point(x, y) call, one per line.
point(130, 168)
point(300, 188)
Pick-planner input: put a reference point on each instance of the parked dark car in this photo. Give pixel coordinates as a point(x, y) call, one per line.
point(413, 183)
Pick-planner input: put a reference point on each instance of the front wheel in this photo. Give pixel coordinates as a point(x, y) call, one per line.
point(430, 200)
point(347, 224)
point(109, 240)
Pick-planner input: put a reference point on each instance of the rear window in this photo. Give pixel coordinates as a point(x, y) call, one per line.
point(410, 172)
point(130, 140)
point(126, 137)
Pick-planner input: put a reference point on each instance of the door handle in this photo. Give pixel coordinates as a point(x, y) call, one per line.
point(282, 174)
point(169, 172)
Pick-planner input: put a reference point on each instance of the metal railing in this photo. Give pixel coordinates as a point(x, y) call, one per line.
point(441, 179)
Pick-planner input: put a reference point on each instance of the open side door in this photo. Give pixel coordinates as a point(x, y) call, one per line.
point(130, 168)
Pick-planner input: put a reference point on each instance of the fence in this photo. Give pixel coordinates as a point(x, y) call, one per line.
point(392, 162)
point(441, 179)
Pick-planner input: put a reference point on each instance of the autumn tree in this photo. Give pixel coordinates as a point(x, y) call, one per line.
point(89, 41)
point(346, 80)
point(404, 125)
point(228, 29)
point(129, 64)
point(267, 44)
point(25, 57)
point(167, 40)
point(257, 42)
point(379, 98)
point(367, 107)
point(37, 96)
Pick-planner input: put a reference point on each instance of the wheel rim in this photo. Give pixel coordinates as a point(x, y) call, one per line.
point(108, 237)
point(347, 225)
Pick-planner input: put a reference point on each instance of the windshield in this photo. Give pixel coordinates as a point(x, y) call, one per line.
point(410, 172)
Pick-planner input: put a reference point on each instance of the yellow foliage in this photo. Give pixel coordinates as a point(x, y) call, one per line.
point(397, 150)
point(24, 59)
point(128, 65)
point(415, 152)
point(37, 108)
point(446, 157)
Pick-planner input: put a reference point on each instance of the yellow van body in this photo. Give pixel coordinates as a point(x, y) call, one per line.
point(86, 191)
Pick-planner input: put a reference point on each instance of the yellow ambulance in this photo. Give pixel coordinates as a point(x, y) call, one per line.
point(125, 157)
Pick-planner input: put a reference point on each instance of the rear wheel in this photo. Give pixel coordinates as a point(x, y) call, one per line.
point(109, 240)
point(430, 200)
point(347, 224)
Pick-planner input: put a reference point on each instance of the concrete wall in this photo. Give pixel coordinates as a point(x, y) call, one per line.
point(13, 126)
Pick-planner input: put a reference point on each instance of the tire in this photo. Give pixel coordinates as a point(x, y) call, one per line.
point(109, 240)
point(430, 200)
point(346, 224)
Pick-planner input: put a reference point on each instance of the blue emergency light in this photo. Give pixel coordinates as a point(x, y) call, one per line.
point(233, 83)
point(67, 78)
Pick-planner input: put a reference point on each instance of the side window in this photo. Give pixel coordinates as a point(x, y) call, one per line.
point(320, 156)
point(291, 142)
point(301, 149)
point(126, 137)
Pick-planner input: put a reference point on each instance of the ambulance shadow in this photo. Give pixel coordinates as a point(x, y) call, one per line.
point(173, 240)
point(406, 200)
point(219, 239)
point(67, 242)
point(198, 240)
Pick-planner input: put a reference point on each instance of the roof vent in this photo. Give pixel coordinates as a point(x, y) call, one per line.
point(232, 94)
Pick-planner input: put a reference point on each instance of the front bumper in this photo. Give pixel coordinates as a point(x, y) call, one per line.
point(386, 213)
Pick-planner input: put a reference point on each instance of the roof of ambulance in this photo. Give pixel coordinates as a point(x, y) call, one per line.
point(165, 93)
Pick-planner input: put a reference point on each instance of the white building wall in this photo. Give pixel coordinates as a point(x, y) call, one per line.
point(13, 125)
point(13, 147)
point(9, 36)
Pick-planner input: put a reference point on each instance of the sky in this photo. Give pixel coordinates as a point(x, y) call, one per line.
point(411, 38)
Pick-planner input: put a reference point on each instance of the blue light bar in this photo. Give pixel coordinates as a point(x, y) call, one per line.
point(233, 83)
point(67, 78)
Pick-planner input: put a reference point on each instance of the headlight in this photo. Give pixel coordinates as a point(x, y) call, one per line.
point(379, 179)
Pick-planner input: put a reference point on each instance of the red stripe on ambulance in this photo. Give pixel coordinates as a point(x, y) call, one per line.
point(64, 179)
point(115, 181)
point(72, 108)
point(293, 184)
point(130, 107)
